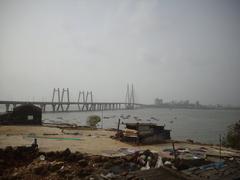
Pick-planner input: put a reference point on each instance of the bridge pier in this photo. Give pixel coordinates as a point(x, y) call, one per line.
point(7, 107)
point(54, 107)
point(67, 107)
point(60, 105)
point(43, 107)
point(83, 107)
point(94, 107)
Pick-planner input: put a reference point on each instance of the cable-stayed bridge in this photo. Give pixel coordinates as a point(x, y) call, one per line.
point(61, 102)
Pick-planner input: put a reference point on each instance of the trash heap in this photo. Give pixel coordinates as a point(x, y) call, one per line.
point(28, 163)
point(187, 153)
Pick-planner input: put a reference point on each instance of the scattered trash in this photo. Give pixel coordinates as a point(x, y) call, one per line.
point(159, 162)
point(108, 176)
point(27, 163)
point(42, 157)
point(167, 163)
point(216, 165)
point(146, 167)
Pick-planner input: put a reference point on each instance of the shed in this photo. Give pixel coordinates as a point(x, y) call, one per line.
point(146, 133)
point(23, 114)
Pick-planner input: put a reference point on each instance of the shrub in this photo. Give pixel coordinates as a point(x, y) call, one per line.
point(93, 120)
point(233, 136)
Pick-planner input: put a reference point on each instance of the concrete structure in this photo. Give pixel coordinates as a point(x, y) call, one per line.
point(61, 102)
point(81, 106)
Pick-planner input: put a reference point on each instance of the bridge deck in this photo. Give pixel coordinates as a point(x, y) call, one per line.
point(81, 106)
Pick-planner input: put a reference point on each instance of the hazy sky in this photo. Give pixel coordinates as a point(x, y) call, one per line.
point(167, 49)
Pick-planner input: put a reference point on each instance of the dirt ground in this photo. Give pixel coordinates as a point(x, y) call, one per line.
point(95, 142)
point(82, 153)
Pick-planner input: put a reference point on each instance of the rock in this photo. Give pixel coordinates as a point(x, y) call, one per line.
point(55, 166)
point(79, 156)
point(96, 159)
point(125, 173)
point(104, 158)
point(50, 155)
point(71, 157)
point(9, 149)
point(15, 175)
point(128, 158)
point(66, 153)
point(108, 176)
point(85, 171)
point(107, 165)
point(64, 171)
point(41, 170)
point(190, 141)
point(83, 163)
point(118, 161)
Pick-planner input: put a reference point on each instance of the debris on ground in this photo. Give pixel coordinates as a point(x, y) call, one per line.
point(24, 162)
point(28, 163)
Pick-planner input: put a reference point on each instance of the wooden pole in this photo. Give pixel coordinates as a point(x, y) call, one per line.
point(174, 151)
point(118, 125)
point(220, 147)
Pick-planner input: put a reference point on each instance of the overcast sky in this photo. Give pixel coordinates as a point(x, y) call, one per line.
point(167, 49)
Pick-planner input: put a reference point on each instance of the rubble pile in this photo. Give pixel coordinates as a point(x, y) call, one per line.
point(29, 163)
point(16, 157)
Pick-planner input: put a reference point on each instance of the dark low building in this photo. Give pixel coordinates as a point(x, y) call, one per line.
point(146, 133)
point(27, 114)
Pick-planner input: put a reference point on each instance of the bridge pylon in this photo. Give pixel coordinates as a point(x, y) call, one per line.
point(57, 92)
point(86, 99)
point(60, 99)
point(129, 100)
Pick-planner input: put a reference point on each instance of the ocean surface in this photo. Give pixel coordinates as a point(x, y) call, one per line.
point(199, 125)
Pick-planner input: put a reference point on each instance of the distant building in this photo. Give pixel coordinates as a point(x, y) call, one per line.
point(158, 102)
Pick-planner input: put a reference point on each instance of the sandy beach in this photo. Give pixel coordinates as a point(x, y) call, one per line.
point(95, 142)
